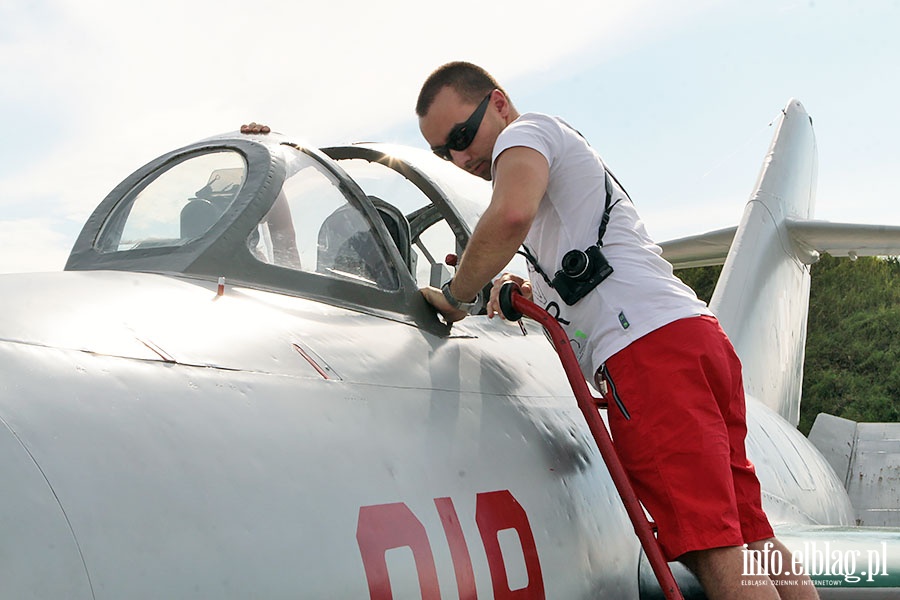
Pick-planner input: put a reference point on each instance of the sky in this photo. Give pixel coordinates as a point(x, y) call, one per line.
point(680, 97)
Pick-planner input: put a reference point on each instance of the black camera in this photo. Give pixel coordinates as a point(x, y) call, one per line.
point(581, 272)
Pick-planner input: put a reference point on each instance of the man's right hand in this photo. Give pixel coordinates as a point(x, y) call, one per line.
point(253, 128)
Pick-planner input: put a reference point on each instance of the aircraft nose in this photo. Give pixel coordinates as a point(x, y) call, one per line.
point(45, 561)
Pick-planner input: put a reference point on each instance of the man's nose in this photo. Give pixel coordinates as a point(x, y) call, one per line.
point(460, 158)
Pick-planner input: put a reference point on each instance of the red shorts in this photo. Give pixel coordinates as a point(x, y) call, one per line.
point(683, 443)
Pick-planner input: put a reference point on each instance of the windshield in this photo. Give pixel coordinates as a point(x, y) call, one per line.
point(177, 206)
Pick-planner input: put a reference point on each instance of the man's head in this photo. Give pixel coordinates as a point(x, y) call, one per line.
point(462, 110)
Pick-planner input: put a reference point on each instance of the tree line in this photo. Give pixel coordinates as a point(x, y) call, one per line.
point(852, 367)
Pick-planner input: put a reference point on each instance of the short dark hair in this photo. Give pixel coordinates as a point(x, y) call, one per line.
point(470, 81)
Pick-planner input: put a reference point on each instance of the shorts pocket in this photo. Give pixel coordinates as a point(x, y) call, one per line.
point(615, 392)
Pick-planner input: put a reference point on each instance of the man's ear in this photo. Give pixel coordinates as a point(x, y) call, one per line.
point(500, 100)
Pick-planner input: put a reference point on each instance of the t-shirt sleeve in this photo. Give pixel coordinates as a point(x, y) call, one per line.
point(530, 131)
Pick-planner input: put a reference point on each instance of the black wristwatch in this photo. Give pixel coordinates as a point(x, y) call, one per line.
point(470, 307)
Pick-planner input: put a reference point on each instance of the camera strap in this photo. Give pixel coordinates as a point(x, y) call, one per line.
point(604, 220)
point(601, 230)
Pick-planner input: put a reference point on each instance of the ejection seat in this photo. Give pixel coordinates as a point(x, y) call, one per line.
point(346, 245)
point(197, 216)
point(399, 229)
point(210, 202)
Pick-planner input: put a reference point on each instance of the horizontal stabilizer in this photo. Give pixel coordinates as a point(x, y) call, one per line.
point(845, 239)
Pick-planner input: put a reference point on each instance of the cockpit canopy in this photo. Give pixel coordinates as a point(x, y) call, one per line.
point(365, 225)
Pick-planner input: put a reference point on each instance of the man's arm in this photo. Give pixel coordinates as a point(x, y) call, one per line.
point(520, 181)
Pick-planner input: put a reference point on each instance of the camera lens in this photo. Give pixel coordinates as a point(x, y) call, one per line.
point(575, 264)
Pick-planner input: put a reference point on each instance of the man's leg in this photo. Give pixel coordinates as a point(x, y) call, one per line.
point(720, 571)
point(754, 523)
point(789, 586)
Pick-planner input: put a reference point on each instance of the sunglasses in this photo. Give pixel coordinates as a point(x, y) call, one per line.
point(462, 134)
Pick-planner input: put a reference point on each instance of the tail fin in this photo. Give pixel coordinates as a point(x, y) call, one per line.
point(762, 296)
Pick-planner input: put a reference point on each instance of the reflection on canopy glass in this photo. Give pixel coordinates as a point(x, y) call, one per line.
point(313, 227)
point(178, 206)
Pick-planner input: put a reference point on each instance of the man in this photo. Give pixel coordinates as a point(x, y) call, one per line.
point(678, 422)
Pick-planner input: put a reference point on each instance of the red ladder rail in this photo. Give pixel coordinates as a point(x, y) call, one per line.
point(514, 305)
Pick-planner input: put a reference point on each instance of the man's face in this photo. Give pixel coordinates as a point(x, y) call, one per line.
point(451, 113)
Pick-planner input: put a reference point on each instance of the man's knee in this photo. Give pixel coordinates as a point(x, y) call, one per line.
point(771, 543)
point(711, 560)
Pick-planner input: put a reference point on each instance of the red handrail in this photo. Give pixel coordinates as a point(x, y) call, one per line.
point(512, 298)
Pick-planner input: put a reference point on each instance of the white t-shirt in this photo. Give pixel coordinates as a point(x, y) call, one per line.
point(642, 294)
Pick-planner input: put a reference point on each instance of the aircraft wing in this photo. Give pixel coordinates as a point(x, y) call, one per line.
point(837, 239)
point(843, 562)
point(866, 457)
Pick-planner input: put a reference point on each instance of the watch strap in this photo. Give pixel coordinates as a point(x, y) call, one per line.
point(458, 304)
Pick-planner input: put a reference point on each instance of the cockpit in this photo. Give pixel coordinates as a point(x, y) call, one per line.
point(363, 225)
